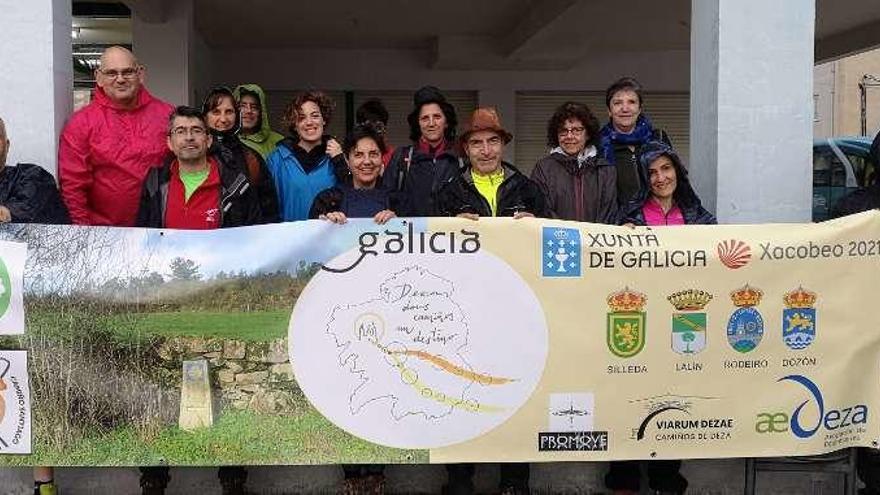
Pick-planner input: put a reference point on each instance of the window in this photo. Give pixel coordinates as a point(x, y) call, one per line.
point(828, 170)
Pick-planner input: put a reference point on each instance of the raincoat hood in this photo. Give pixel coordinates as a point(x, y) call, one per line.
point(684, 194)
point(264, 140)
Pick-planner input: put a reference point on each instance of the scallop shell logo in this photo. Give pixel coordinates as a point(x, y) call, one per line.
point(734, 254)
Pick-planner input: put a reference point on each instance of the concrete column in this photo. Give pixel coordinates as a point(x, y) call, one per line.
point(162, 39)
point(752, 108)
point(36, 80)
point(504, 100)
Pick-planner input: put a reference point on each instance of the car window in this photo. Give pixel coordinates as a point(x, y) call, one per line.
point(860, 164)
point(828, 170)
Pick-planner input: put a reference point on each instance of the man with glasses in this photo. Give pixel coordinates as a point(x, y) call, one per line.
point(191, 190)
point(256, 132)
point(107, 148)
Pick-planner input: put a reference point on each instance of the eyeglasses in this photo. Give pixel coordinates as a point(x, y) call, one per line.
point(249, 106)
point(574, 131)
point(127, 73)
point(184, 131)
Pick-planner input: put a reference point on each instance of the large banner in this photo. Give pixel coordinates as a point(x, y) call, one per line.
point(438, 340)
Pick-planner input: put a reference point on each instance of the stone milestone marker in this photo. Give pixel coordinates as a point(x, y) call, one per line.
point(196, 408)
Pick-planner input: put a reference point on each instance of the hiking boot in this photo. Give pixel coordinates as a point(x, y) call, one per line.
point(45, 488)
point(373, 484)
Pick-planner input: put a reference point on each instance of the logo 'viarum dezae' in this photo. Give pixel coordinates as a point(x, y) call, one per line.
point(799, 319)
point(746, 326)
point(689, 323)
point(626, 322)
point(5, 289)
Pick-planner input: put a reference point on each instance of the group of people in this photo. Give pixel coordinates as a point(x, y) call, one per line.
point(130, 159)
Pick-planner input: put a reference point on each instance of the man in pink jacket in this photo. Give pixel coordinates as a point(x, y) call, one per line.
point(108, 147)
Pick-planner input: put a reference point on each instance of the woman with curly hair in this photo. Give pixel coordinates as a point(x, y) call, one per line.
point(577, 181)
point(308, 161)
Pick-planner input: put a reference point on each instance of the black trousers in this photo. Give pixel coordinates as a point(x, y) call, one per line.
point(362, 470)
point(662, 476)
point(868, 465)
point(461, 478)
point(156, 478)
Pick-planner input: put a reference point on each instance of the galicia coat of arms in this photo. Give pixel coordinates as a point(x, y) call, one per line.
point(799, 319)
point(626, 323)
point(561, 252)
point(689, 323)
point(746, 326)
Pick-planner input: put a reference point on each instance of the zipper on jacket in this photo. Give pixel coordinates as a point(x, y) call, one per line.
point(578, 198)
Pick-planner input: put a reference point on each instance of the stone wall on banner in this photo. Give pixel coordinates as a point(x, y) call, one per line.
point(253, 376)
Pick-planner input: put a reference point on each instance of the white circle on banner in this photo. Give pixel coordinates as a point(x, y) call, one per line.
point(418, 351)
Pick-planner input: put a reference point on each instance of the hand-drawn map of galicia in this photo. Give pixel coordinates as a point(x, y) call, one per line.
point(418, 350)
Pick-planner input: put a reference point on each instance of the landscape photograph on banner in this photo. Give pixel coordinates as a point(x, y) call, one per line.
point(149, 347)
point(441, 340)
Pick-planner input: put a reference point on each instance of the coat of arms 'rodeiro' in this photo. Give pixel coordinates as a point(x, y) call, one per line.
point(746, 326)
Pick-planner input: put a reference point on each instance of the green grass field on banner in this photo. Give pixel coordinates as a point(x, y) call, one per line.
point(257, 326)
point(237, 437)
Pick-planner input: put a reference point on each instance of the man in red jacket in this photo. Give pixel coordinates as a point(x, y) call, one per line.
point(108, 147)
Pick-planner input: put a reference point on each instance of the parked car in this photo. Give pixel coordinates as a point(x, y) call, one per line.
point(840, 165)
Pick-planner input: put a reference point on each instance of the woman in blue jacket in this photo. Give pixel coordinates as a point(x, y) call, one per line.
point(308, 161)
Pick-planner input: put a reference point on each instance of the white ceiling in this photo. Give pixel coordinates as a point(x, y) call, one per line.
point(504, 34)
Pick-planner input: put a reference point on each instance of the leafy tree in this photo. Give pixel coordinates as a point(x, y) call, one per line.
point(688, 337)
point(305, 271)
point(184, 269)
point(147, 281)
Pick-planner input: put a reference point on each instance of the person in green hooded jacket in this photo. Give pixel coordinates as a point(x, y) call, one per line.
point(256, 133)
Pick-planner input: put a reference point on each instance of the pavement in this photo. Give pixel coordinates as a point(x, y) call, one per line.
point(706, 477)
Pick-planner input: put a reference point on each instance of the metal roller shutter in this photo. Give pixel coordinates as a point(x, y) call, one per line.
point(277, 102)
point(669, 111)
point(399, 105)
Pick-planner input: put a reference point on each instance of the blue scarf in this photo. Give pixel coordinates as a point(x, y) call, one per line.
point(641, 134)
